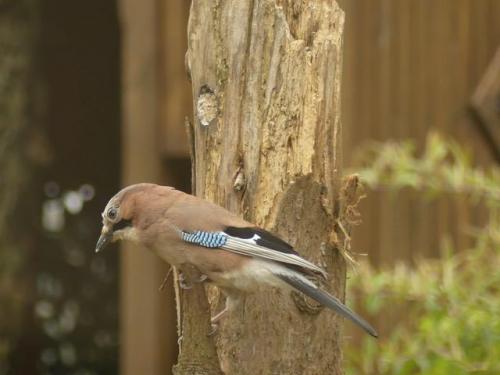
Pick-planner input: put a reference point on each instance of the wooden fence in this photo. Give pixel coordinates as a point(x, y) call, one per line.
point(411, 67)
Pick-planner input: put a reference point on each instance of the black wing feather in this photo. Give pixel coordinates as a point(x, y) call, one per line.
point(270, 241)
point(267, 239)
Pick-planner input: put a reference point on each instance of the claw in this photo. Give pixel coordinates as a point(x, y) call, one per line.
point(185, 285)
point(182, 282)
point(215, 328)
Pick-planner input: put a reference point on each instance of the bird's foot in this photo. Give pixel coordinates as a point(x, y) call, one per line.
point(231, 302)
point(215, 321)
point(184, 284)
point(215, 328)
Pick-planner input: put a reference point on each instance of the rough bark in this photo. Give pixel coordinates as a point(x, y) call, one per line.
point(266, 144)
point(20, 151)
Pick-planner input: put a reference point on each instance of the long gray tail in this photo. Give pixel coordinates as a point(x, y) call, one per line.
point(326, 299)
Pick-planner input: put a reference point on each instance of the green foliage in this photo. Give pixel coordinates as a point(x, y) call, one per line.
point(442, 316)
point(443, 167)
point(451, 320)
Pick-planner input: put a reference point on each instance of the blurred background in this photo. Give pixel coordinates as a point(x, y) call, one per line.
point(94, 96)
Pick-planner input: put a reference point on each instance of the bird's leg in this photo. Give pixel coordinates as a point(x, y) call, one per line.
point(232, 301)
point(219, 315)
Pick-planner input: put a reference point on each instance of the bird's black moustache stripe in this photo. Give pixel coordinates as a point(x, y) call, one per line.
point(123, 223)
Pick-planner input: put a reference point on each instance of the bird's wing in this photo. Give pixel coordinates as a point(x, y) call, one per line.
point(253, 242)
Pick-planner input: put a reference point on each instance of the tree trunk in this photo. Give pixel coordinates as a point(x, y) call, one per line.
point(20, 150)
point(266, 145)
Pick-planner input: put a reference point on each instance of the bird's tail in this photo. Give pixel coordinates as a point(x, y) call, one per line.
point(309, 289)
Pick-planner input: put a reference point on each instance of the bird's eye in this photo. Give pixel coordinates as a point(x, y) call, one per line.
point(112, 213)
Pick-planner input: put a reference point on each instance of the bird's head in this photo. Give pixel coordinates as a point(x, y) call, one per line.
point(123, 213)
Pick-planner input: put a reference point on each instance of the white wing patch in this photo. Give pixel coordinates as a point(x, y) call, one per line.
point(248, 247)
point(252, 240)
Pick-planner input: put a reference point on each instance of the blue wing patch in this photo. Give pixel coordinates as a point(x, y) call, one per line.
point(205, 239)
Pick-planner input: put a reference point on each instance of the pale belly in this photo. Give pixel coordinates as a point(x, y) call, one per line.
point(224, 269)
point(254, 275)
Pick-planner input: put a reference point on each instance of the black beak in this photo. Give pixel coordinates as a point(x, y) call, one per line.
point(103, 241)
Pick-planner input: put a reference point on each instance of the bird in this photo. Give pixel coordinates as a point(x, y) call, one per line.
point(228, 251)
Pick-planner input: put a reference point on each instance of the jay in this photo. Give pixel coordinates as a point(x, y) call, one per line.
point(227, 250)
